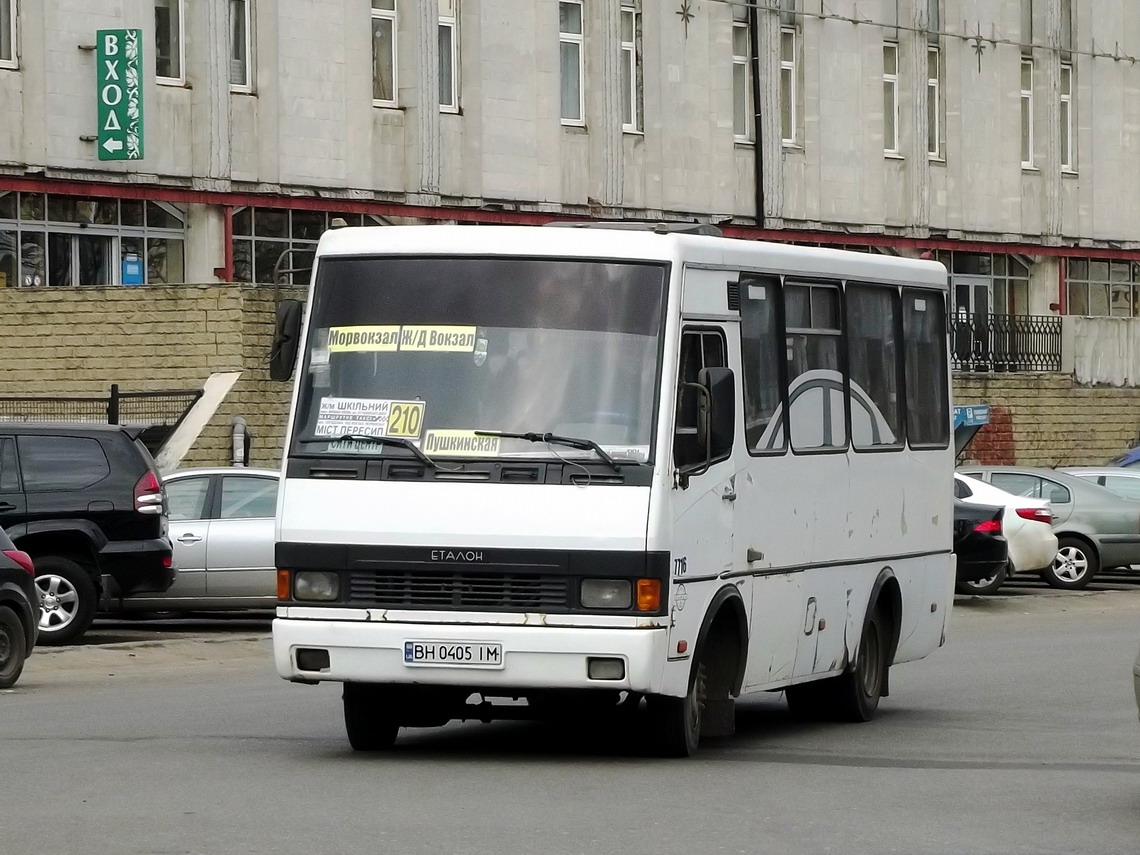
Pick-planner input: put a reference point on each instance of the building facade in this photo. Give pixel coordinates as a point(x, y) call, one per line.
point(1001, 137)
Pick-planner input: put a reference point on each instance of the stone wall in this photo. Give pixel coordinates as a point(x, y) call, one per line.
point(1048, 420)
point(78, 341)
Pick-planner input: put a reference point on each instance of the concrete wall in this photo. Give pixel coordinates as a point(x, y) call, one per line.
point(309, 124)
point(53, 343)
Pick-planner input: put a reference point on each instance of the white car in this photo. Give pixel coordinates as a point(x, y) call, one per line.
point(1026, 523)
point(221, 526)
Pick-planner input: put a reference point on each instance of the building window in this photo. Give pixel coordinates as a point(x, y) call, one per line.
point(8, 57)
point(891, 98)
point(241, 44)
point(1066, 118)
point(275, 246)
point(571, 36)
point(1027, 114)
point(934, 102)
point(788, 71)
point(384, 91)
point(169, 45)
point(630, 69)
point(1101, 288)
point(74, 240)
point(742, 106)
point(1027, 157)
point(1026, 25)
point(449, 56)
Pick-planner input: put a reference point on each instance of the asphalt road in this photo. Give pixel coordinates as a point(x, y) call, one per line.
point(1021, 736)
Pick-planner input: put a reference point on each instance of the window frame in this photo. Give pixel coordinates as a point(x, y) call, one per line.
point(450, 22)
point(776, 284)
point(11, 35)
point(219, 504)
point(179, 8)
point(1027, 113)
point(698, 330)
point(579, 40)
point(28, 482)
point(206, 506)
point(245, 88)
point(1067, 147)
point(812, 283)
point(789, 69)
point(891, 82)
point(391, 15)
point(934, 104)
point(944, 362)
point(900, 428)
point(744, 61)
point(631, 58)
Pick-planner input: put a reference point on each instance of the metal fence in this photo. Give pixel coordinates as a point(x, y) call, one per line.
point(159, 413)
point(1006, 342)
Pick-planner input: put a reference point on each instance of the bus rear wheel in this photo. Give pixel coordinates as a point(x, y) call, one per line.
point(853, 695)
point(369, 717)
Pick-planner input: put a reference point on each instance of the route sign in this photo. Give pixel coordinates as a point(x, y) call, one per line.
point(119, 58)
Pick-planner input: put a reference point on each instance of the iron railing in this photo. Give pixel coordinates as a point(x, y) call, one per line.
point(158, 413)
point(1005, 342)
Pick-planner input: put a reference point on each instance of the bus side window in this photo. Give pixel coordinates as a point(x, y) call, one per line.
point(699, 349)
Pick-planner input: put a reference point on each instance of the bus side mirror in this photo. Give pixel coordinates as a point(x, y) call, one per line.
point(719, 422)
point(286, 340)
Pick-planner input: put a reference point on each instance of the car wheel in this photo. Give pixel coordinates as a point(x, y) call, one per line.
point(369, 717)
point(1074, 566)
point(13, 647)
point(853, 695)
point(983, 586)
point(67, 599)
point(675, 723)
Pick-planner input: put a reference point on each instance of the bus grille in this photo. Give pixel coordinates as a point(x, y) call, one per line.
point(458, 590)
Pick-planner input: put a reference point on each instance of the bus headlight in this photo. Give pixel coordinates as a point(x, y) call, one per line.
point(606, 594)
point(315, 585)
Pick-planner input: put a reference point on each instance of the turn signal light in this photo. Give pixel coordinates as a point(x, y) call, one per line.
point(648, 595)
point(282, 584)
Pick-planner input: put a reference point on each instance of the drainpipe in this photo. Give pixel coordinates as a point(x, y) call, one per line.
point(240, 440)
point(757, 101)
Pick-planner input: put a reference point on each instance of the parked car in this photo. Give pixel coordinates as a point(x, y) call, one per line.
point(979, 544)
point(19, 610)
point(221, 524)
point(1095, 527)
point(1027, 525)
point(1123, 482)
point(86, 502)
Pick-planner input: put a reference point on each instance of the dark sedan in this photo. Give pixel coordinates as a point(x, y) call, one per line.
point(19, 610)
point(979, 544)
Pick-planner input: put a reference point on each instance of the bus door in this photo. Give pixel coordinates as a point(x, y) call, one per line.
point(703, 503)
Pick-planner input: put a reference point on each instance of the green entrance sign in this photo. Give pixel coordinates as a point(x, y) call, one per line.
point(119, 55)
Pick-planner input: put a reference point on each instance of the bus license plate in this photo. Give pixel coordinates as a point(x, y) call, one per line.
point(462, 654)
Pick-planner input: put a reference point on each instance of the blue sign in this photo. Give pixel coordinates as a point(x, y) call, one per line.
point(974, 415)
point(133, 273)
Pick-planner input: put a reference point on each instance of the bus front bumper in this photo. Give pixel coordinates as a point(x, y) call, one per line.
point(532, 657)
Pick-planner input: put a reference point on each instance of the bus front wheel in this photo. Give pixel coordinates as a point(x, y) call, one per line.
point(369, 717)
point(675, 723)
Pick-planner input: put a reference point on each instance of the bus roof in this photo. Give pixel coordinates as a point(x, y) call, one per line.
point(628, 245)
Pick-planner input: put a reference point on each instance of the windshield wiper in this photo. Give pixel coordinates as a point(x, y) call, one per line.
point(571, 441)
point(401, 441)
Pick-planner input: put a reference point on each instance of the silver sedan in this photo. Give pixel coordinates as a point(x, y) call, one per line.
point(221, 525)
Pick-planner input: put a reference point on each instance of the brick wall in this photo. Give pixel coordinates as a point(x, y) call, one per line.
point(1046, 419)
point(78, 341)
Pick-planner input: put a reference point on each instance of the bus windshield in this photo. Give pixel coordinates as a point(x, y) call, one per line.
point(436, 351)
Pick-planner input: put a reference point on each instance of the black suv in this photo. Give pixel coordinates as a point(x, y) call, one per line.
point(86, 502)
